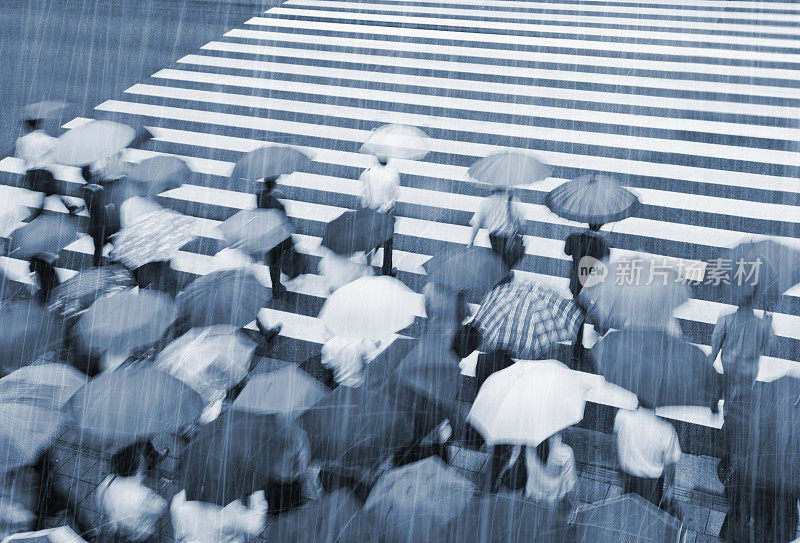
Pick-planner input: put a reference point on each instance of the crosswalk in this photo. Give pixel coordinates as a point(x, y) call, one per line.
point(691, 104)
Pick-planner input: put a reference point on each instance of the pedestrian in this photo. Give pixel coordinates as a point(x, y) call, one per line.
point(379, 192)
point(501, 216)
point(201, 522)
point(648, 450)
point(35, 148)
point(277, 257)
point(43, 266)
point(104, 216)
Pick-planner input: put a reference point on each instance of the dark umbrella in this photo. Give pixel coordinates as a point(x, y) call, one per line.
point(325, 519)
point(767, 268)
point(354, 426)
point(270, 161)
point(593, 199)
point(240, 453)
point(27, 430)
point(623, 519)
point(357, 231)
point(256, 231)
point(29, 330)
point(158, 174)
point(130, 404)
point(223, 297)
point(80, 291)
point(472, 269)
point(45, 234)
point(657, 367)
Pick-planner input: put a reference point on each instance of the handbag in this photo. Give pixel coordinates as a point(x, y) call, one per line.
point(513, 249)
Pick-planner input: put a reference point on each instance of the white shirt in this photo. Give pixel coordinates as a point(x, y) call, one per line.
point(36, 150)
point(346, 357)
point(200, 522)
point(646, 443)
point(379, 188)
point(493, 215)
point(132, 509)
point(552, 481)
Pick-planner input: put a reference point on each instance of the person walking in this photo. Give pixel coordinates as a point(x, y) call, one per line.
point(104, 216)
point(201, 522)
point(379, 192)
point(501, 216)
point(267, 198)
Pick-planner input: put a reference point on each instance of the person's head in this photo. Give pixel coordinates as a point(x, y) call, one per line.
point(130, 460)
point(269, 183)
point(382, 160)
point(748, 302)
point(594, 227)
point(643, 403)
point(543, 451)
point(31, 125)
point(500, 189)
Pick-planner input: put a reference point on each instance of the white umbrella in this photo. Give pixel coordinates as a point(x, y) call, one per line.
point(369, 308)
point(397, 141)
point(528, 402)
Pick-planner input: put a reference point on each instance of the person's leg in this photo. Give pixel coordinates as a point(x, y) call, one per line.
point(98, 237)
point(273, 259)
point(387, 257)
point(497, 243)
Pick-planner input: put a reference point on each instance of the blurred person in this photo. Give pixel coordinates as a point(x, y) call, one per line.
point(268, 198)
point(104, 216)
point(339, 270)
point(43, 267)
point(500, 215)
point(347, 357)
point(379, 192)
point(201, 522)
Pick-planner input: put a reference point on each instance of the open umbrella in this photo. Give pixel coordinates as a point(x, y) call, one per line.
point(155, 236)
point(288, 391)
point(130, 404)
point(764, 268)
point(91, 142)
point(323, 520)
point(43, 384)
point(509, 168)
point(45, 110)
point(622, 519)
point(636, 293)
point(526, 319)
point(44, 234)
point(158, 174)
point(397, 141)
point(471, 269)
point(356, 426)
point(28, 331)
point(80, 291)
point(256, 231)
point(593, 199)
point(27, 430)
point(223, 297)
point(270, 161)
point(240, 453)
point(657, 367)
point(528, 402)
point(125, 321)
point(357, 231)
point(369, 308)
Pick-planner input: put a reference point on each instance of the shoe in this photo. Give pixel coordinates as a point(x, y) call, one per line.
point(74, 210)
point(392, 273)
point(278, 291)
point(268, 332)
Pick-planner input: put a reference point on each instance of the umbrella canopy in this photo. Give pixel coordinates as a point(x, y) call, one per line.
point(528, 402)
point(768, 268)
point(657, 367)
point(223, 297)
point(27, 430)
point(28, 331)
point(43, 384)
point(509, 168)
point(131, 404)
point(357, 231)
point(356, 426)
point(369, 308)
point(637, 293)
point(159, 174)
point(622, 519)
point(270, 161)
point(324, 519)
point(526, 319)
point(80, 291)
point(593, 199)
point(44, 234)
point(155, 236)
point(431, 371)
point(256, 231)
point(210, 360)
point(45, 110)
point(397, 141)
point(91, 142)
point(125, 321)
point(471, 269)
point(238, 454)
point(288, 391)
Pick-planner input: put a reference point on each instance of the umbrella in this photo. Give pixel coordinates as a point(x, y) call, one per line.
point(357, 231)
point(416, 502)
point(240, 453)
point(44, 384)
point(131, 404)
point(28, 331)
point(356, 426)
point(636, 292)
point(528, 402)
point(768, 269)
point(369, 308)
point(379, 372)
point(44, 234)
point(27, 430)
point(45, 110)
point(270, 161)
point(80, 291)
point(210, 360)
point(472, 269)
point(91, 142)
point(622, 519)
point(509, 168)
point(223, 297)
point(288, 391)
point(159, 174)
point(125, 321)
point(153, 237)
point(255, 231)
point(657, 367)
point(593, 199)
point(397, 141)
point(321, 520)
point(526, 319)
